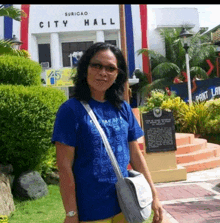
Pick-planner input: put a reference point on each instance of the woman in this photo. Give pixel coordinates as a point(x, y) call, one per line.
point(87, 179)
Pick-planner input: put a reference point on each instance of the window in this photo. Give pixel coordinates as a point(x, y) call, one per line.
point(70, 48)
point(44, 53)
point(113, 42)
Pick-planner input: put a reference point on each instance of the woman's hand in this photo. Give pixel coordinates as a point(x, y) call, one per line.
point(158, 210)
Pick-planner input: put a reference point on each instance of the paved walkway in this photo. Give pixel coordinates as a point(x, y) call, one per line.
point(196, 200)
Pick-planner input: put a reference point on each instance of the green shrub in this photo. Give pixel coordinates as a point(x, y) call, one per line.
point(213, 107)
point(19, 71)
point(199, 118)
point(188, 119)
point(196, 119)
point(213, 126)
point(27, 119)
point(179, 108)
point(156, 100)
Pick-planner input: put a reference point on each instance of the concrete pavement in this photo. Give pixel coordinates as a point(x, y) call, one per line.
point(196, 200)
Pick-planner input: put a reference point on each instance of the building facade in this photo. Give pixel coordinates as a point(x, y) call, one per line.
point(160, 18)
point(57, 35)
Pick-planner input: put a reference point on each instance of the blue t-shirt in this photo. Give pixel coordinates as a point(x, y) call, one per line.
point(94, 175)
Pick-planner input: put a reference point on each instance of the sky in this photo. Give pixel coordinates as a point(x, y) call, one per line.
point(208, 13)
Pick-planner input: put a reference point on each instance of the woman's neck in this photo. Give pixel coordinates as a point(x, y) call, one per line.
point(98, 96)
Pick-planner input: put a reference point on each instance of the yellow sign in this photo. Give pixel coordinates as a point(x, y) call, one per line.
point(60, 77)
point(3, 218)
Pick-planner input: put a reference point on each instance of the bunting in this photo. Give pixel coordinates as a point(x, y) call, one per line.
point(136, 35)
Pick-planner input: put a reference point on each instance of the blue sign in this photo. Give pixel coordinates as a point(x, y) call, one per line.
point(204, 89)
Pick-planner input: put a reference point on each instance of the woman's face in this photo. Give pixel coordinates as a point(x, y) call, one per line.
point(102, 71)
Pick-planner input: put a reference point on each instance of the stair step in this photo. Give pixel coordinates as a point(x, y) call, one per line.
point(184, 138)
point(214, 146)
point(210, 151)
point(197, 144)
point(202, 164)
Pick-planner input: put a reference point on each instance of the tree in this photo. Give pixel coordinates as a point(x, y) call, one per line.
point(166, 68)
point(6, 45)
point(12, 12)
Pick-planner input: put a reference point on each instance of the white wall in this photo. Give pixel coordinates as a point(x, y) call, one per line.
point(74, 31)
point(71, 23)
point(137, 35)
point(16, 25)
point(68, 18)
point(176, 17)
point(169, 18)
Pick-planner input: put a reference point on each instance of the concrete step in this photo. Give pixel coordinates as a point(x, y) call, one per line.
point(184, 138)
point(212, 150)
point(203, 164)
point(196, 145)
point(198, 154)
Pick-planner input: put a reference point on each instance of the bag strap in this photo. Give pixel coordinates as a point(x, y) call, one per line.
point(105, 141)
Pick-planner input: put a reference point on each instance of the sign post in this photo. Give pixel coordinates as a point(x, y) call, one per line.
point(159, 134)
point(159, 131)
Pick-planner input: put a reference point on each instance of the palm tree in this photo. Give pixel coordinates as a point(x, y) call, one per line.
point(6, 45)
point(12, 12)
point(166, 68)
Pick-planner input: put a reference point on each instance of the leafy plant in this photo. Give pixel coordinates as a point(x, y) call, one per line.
point(178, 107)
point(166, 68)
point(213, 126)
point(7, 49)
point(19, 71)
point(155, 100)
point(12, 12)
point(196, 119)
point(199, 118)
point(6, 45)
point(27, 119)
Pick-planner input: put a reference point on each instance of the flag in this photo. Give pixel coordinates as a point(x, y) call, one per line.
point(136, 35)
point(24, 27)
point(20, 29)
point(8, 24)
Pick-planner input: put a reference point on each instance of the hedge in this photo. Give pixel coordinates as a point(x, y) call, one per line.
point(199, 118)
point(19, 71)
point(27, 119)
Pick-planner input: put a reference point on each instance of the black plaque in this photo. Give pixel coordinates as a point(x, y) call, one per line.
point(159, 130)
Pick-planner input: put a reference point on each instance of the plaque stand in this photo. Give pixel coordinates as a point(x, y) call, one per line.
point(162, 165)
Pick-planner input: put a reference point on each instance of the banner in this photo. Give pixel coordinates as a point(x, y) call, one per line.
point(204, 90)
point(60, 77)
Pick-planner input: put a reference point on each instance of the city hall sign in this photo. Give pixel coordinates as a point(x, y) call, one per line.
point(87, 22)
point(67, 18)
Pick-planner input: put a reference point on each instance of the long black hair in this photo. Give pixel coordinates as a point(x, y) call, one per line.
point(115, 93)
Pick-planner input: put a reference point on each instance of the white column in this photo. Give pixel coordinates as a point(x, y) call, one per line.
point(34, 49)
point(188, 79)
point(55, 51)
point(100, 36)
point(119, 40)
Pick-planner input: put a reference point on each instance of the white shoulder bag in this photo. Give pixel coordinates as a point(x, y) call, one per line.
point(134, 193)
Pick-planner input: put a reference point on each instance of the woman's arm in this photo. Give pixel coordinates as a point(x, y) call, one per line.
point(65, 158)
point(139, 164)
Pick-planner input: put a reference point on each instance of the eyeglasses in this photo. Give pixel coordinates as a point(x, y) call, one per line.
point(108, 69)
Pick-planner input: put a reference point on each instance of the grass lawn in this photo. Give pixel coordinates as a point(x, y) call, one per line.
point(48, 209)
